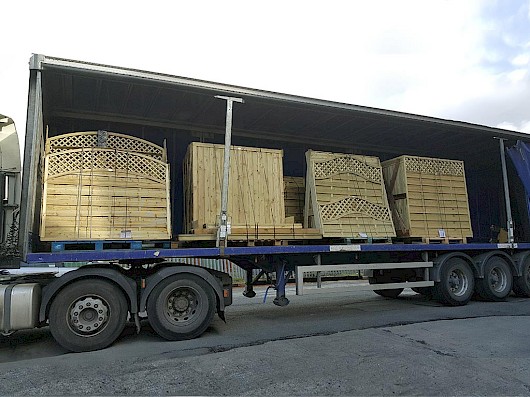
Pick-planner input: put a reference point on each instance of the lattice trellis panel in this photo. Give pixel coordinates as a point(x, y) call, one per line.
point(345, 196)
point(85, 161)
point(346, 164)
point(350, 205)
point(424, 165)
point(111, 140)
point(428, 197)
point(104, 193)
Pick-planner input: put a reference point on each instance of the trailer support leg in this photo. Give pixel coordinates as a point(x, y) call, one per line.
point(249, 284)
point(281, 281)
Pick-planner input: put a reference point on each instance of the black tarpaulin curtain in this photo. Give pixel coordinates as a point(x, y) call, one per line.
point(520, 155)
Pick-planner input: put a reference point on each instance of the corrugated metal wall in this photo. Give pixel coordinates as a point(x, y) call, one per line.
point(222, 265)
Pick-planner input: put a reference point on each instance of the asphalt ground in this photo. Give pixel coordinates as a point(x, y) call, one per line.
point(342, 343)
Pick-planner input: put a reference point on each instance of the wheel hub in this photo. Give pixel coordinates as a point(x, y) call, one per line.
point(457, 282)
point(88, 315)
point(497, 279)
point(181, 305)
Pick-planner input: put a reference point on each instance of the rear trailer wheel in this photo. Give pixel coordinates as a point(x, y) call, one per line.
point(425, 291)
point(389, 293)
point(386, 293)
point(181, 307)
point(521, 284)
point(456, 283)
point(497, 282)
point(88, 315)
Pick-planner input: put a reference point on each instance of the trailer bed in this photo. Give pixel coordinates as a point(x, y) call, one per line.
point(229, 252)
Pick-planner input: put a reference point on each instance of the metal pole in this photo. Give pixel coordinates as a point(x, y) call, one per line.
point(509, 220)
point(222, 232)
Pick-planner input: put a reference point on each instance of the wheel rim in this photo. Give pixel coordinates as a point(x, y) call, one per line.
point(458, 282)
point(88, 315)
point(498, 279)
point(182, 306)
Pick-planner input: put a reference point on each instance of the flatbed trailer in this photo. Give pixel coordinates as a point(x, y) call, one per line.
point(87, 308)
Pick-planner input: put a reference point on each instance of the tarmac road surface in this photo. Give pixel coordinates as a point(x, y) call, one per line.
point(344, 343)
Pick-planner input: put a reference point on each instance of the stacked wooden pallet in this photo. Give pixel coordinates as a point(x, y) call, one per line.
point(345, 196)
point(256, 206)
point(101, 185)
point(428, 197)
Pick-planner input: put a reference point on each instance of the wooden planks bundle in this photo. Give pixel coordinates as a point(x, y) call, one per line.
point(428, 197)
point(101, 185)
point(345, 196)
point(255, 193)
point(294, 192)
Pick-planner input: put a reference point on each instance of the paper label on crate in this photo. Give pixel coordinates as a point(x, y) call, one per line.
point(349, 247)
point(441, 233)
point(126, 234)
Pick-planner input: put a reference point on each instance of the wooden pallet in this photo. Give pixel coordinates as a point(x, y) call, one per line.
point(256, 234)
point(430, 240)
point(104, 245)
point(345, 196)
point(428, 195)
point(356, 240)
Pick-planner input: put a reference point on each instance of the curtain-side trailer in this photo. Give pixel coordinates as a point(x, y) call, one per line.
point(87, 308)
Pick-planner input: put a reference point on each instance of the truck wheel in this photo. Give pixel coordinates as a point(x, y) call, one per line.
point(181, 307)
point(386, 293)
point(425, 291)
point(521, 285)
point(88, 315)
point(456, 283)
point(497, 282)
point(389, 293)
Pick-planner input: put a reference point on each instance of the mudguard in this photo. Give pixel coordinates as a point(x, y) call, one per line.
point(439, 261)
point(480, 261)
point(127, 284)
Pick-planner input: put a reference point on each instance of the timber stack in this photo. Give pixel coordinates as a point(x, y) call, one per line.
point(429, 200)
point(346, 197)
point(101, 185)
point(256, 206)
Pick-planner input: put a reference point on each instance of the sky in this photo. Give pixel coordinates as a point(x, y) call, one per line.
point(465, 60)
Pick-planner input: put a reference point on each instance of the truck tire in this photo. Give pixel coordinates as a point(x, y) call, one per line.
point(456, 283)
point(385, 293)
point(521, 285)
point(425, 291)
point(181, 307)
point(88, 315)
point(389, 293)
point(497, 282)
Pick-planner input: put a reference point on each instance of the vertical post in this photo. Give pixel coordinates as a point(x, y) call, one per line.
point(509, 220)
point(222, 232)
point(32, 151)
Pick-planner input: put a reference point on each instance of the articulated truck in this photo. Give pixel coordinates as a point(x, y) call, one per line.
point(96, 284)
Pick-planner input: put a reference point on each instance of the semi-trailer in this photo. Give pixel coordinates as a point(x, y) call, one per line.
point(87, 308)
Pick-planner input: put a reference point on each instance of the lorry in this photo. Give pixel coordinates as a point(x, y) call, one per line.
point(87, 308)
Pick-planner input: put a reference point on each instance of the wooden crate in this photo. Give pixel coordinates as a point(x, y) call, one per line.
point(104, 192)
point(255, 193)
point(428, 197)
point(345, 196)
point(294, 192)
